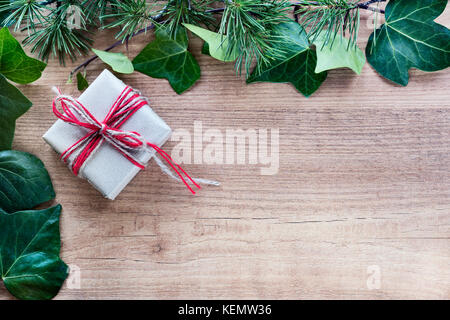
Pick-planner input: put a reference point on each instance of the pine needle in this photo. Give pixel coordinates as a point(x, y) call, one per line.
point(330, 17)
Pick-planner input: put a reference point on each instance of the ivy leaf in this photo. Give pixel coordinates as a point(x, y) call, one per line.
point(13, 104)
point(24, 181)
point(30, 266)
point(217, 43)
point(410, 39)
point(298, 64)
point(82, 83)
point(170, 59)
point(30, 244)
point(117, 61)
point(338, 54)
point(14, 63)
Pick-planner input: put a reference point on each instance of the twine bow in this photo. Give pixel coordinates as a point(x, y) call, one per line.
point(125, 142)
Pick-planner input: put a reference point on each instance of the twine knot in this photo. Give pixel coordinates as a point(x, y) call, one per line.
point(103, 129)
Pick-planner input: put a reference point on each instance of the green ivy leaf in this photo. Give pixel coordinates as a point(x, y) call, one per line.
point(338, 55)
point(82, 83)
point(24, 181)
point(117, 61)
point(170, 59)
point(13, 104)
point(30, 266)
point(410, 39)
point(298, 64)
point(30, 244)
point(217, 43)
point(14, 63)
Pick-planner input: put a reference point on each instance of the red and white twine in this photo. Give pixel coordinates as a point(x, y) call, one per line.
point(125, 142)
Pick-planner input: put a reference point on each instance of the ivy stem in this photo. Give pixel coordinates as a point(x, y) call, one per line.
point(364, 6)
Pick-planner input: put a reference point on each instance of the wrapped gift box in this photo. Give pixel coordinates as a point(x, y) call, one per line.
point(108, 170)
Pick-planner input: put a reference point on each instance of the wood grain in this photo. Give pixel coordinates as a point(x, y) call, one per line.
point(364, 180)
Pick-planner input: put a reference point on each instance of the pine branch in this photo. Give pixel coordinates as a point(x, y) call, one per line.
point(54, 37)
point(196, 12)
point(248, 25)
point(23, 12)
point(329, 18)
point(96, 9)
point(129, 16)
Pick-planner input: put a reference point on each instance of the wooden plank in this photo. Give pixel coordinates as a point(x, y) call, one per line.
point(363, 185)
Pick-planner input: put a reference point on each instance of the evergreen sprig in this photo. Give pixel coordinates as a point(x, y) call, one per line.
point(96, 10)
point(177, 12)
point(23, 13)
point(331, 17)
point(53, 36)
point(248, 25)
point(129, 17)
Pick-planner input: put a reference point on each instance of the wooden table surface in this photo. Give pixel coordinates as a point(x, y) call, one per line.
point(359, 208)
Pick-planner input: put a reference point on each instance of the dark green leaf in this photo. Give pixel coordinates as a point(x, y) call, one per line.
point(298, 64)
point(14, 63)
point(81, 82)
point(410, 39)
point(169, 59)
point(24, 182)
point(29, 253)
point(13, 104)
point(30, 266)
